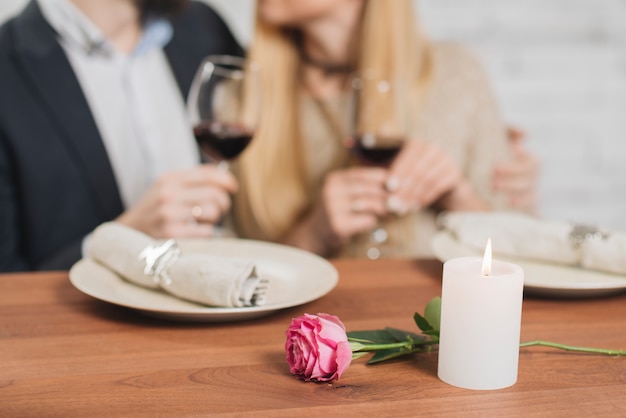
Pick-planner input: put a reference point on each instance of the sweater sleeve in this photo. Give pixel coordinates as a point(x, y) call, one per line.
point(472, 105)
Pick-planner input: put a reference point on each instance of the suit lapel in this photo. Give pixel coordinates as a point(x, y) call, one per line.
point(52, 78)
point(183, 62)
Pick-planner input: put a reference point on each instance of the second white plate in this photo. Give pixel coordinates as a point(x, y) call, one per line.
point(296, 277)
point(540, 278)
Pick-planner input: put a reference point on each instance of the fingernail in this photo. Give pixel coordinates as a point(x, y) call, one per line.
point(397, 205)
point(356, 206)
point(392, 184)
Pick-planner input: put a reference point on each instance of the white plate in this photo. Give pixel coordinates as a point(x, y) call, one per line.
point(540, 278)
point(296, 277)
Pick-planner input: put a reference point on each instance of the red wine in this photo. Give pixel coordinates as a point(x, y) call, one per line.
point(222, 141)
point(377, 151)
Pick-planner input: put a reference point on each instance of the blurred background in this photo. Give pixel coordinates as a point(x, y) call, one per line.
point(558, 68)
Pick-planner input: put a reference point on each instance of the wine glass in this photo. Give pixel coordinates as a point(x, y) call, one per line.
point(378, 123)
point(224, 106)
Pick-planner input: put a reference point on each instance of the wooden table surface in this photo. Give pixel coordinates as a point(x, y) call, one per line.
point(63, 353)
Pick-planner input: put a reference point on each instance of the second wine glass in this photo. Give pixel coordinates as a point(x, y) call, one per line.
point(224, 107)
point(378, 132)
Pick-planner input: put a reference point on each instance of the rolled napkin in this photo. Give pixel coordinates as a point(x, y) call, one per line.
point(605, 254)
point(524, 236)
point(201, 278)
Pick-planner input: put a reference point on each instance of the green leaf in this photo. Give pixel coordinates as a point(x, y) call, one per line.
point(432, 313)
point(383, 355)
point(355, 346)
point(359, 340)
point(433, 334)
point(430, 322)
point(401, 335)
point(377, 336)
point(358, 355)
point(422, 323)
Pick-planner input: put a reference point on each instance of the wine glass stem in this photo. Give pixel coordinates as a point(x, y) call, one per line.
point(378, 237)
point(219, 231)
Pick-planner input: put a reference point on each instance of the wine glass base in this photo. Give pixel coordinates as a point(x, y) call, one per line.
point(373, 253)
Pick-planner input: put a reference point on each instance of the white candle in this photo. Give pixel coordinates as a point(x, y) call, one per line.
point(481, 312)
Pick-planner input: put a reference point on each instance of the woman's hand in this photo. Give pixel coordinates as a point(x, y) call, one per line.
point(518, 178)
point(351, 202)
point(422, 174)
point(183, 204)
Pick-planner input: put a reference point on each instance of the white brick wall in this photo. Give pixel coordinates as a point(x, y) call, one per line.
point(559, 71)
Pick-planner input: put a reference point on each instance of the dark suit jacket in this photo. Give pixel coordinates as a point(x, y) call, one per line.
point(56, 182)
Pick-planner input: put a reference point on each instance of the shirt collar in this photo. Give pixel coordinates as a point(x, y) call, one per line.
point(157, 33)
point(78, 31)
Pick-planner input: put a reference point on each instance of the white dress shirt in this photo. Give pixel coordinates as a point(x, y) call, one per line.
point(134, 98)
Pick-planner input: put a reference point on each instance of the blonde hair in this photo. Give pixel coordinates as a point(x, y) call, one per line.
point(273, 194)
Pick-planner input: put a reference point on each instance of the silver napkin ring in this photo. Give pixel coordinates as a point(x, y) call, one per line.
point(582, 233)
point(158, 258)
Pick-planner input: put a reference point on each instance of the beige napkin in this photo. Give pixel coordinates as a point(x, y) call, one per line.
point(202, 278)
point(520, 235)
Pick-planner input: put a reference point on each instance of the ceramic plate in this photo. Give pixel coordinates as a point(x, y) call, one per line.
point(296, 277)
point(542, 279)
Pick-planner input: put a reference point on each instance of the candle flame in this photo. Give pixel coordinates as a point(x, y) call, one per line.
point(486, 270)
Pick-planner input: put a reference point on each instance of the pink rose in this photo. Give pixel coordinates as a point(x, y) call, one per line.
point(317, 348)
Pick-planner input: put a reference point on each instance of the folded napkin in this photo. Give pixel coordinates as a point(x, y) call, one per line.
point(201, 278)
point(520, 235)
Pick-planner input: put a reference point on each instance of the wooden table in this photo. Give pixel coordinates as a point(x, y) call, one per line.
point(63, 353)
